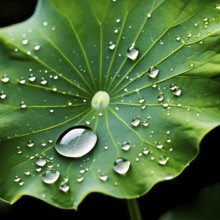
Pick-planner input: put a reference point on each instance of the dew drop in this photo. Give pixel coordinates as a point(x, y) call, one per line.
point(153, 72)
point(25, 42)
point(23, 105)
point(160, 98)
point(3, 95)
point(126, 146)
point(141, 100)
point(132, 52)
point(41, 161)
point(163, 160)
point(22, 81)
point(103, 177)
point(121, 166)
point(5, 78)
point(37, 47)
point(50, 176)
point(43, 81)
point(32, 78)
point(30, 143)
point(112, 45)
point(80, 179)
point(64, 186)
point(177, 91)
point(135, 122)
point(76, 142)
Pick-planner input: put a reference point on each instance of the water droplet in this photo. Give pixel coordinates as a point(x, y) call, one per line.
point(145, 151)
point(22, 81)
point(121, 166)
point(80, 179)
point(25, 42)
point(163, 160)
point(43, 81)
point(50, 176)
point(37, 47)
point(135, 122)
point(41, 161)
point(30, 143)
point(32, 78)
point(118, 20)
point(76, 142)
point(153, 72)
point(159, 146)
point(126, 146)
point(3, 95)
point(149, 15)
point(132, 52)
point(103, 177)
point(177, 91)
point(141, 100)
point(178, 38)
point(23, 105)
point(5, 78)
point(160, 98)
point(64, 186)
point(112, 45)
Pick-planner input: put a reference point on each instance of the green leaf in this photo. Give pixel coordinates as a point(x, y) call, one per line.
point(133, 83)
point(206, 206)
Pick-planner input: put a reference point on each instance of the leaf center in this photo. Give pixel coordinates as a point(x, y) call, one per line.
point(100, 100)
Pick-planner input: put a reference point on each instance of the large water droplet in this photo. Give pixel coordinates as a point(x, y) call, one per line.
point(153, 72)
point(50, 176)
point(121, 166)
point(132, 52)
point(76, 142)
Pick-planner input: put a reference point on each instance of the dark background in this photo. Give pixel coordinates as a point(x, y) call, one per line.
point(203, 171)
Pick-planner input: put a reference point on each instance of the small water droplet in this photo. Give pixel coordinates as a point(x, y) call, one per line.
point(126, 146)
point(160, 98)
point(25, 42)
point(43, 81)
point(132, 52)
point(3, 95)
point(76, 142)
point(32, 78)
point(64, 186)
point(103, 177)
point(135, 122)
point(145, 151)
point(177, 91)
point(22, 81)
point(50, 176)
point(23, 105)
point(159, 146)
point(121, 166)
point(37, 47)
point(41, 161)
point(163, 160)
point(5, 78)
point(153, 72)
point(141, 100)
point(30, 143)
point(112, 45)
point(80, 179)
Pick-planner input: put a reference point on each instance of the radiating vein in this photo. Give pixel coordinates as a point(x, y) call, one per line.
point(65, 57)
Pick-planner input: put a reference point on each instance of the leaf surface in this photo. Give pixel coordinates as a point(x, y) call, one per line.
point(157, 61)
